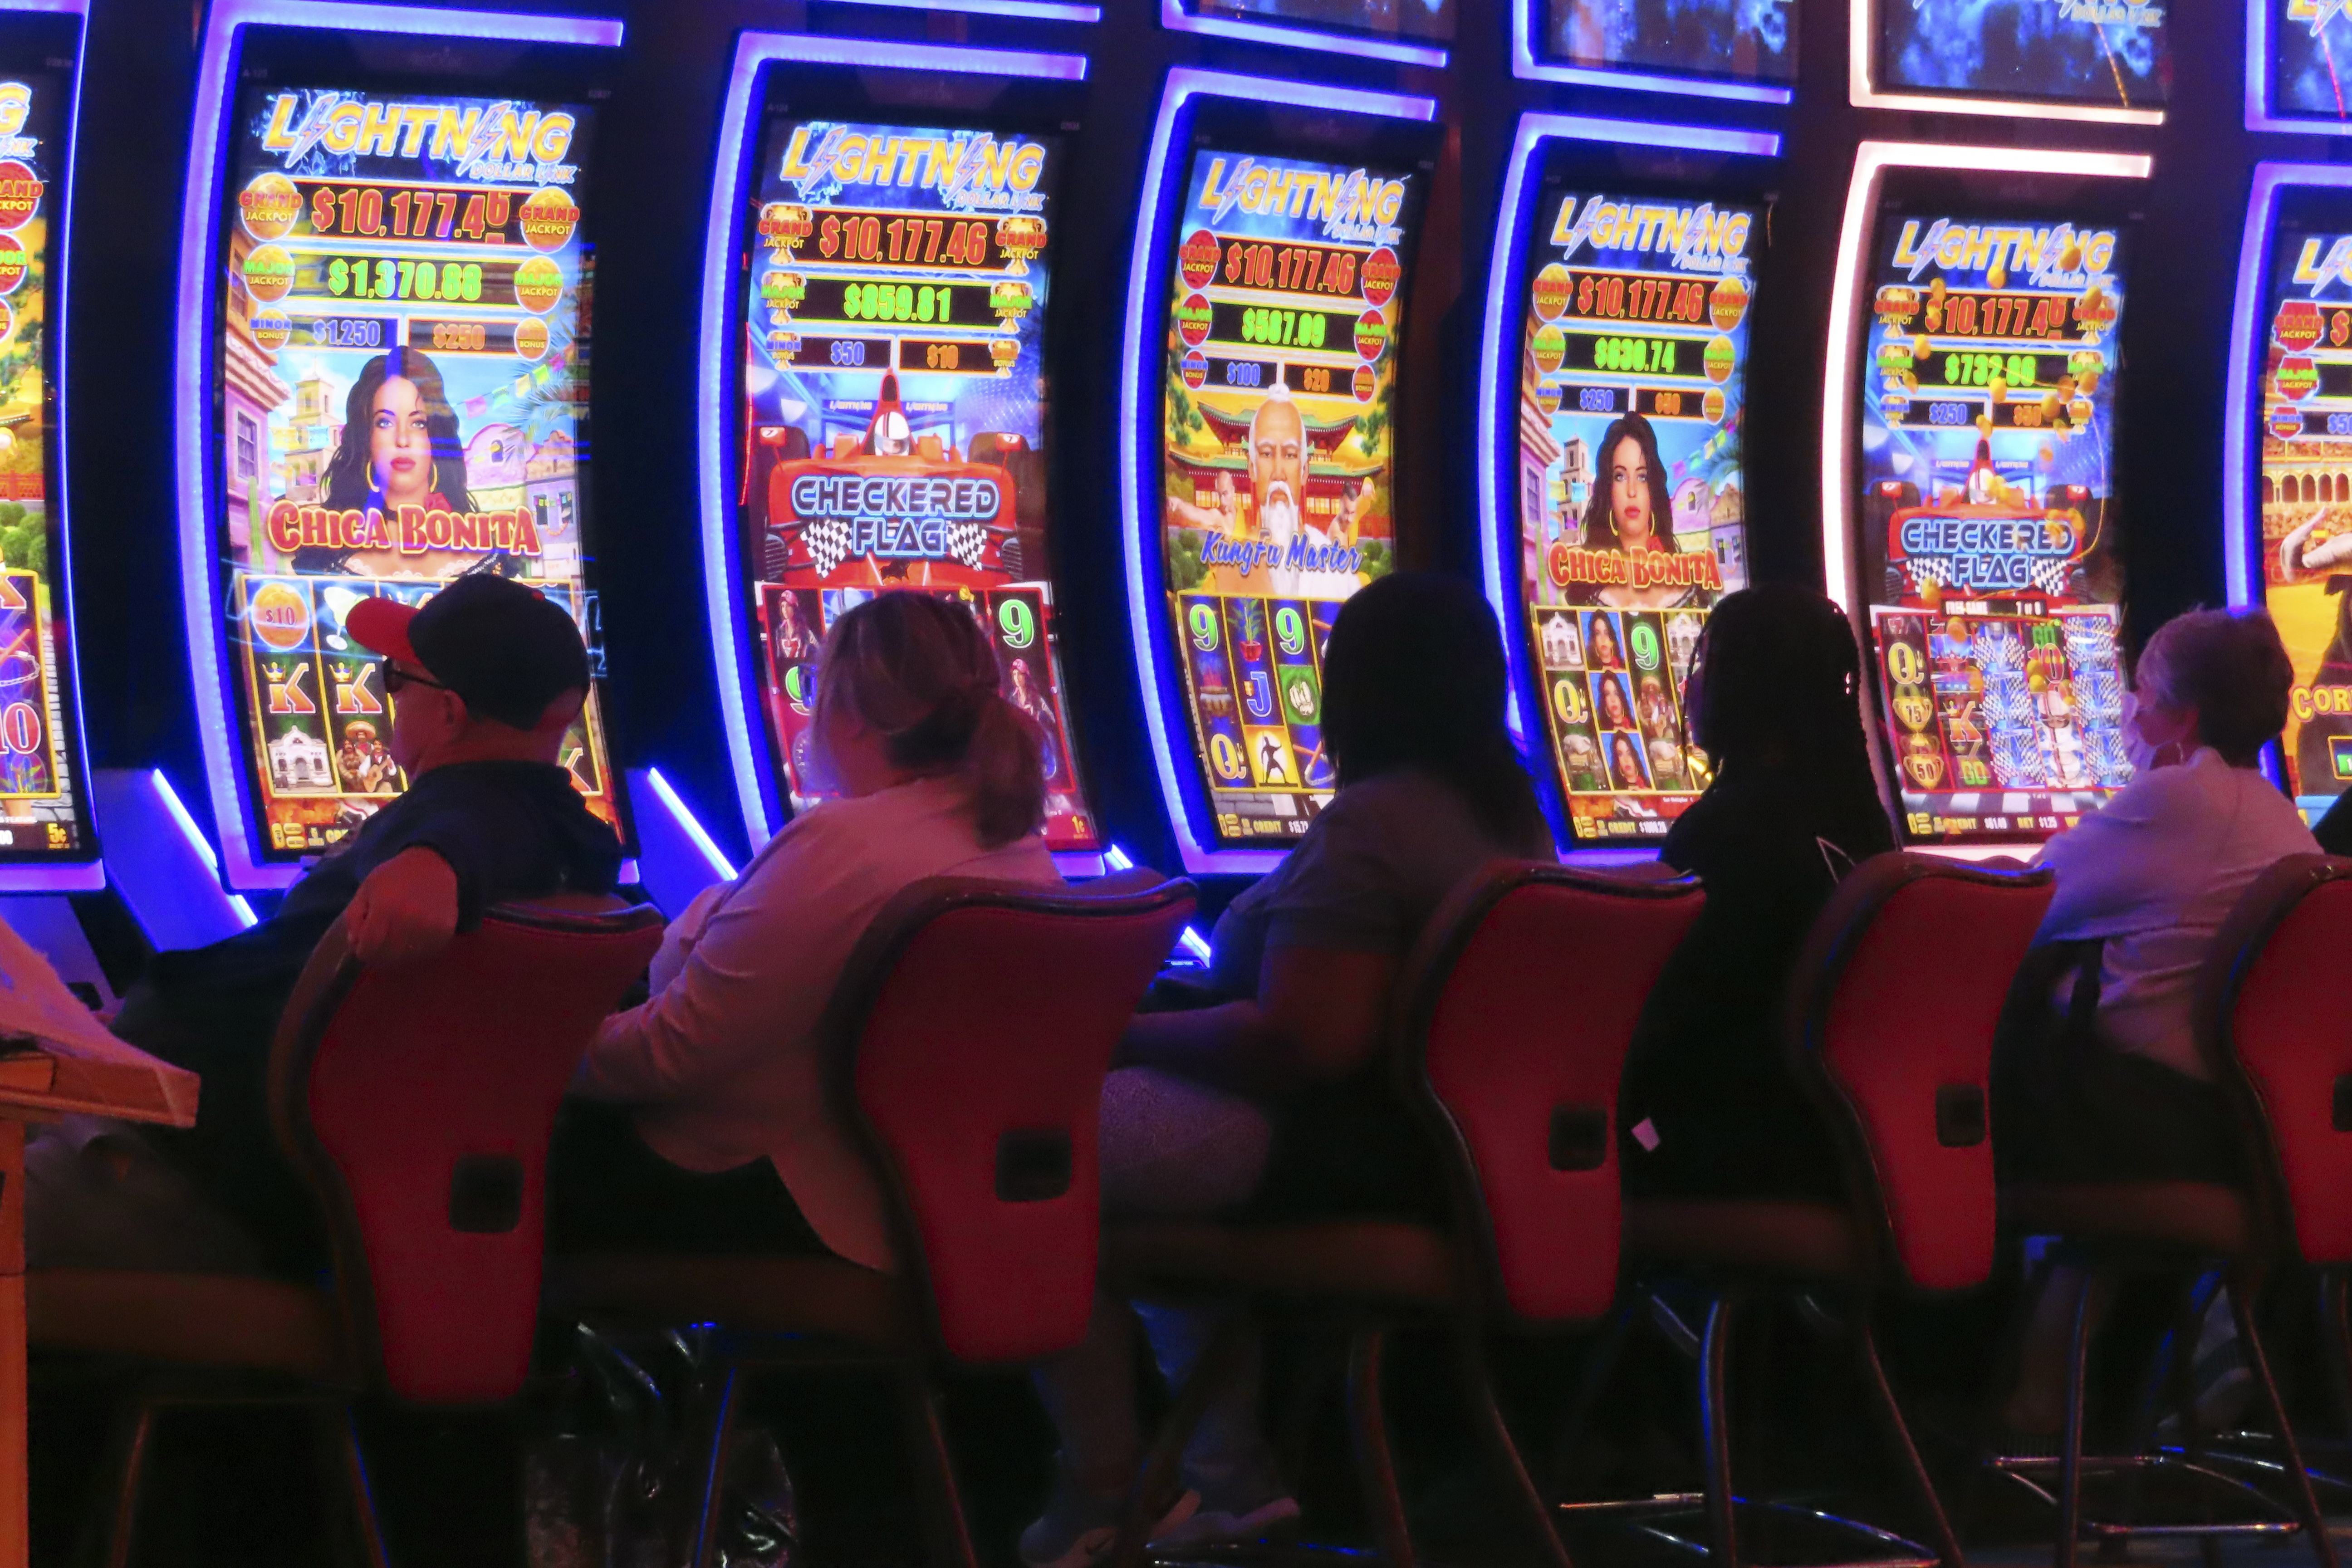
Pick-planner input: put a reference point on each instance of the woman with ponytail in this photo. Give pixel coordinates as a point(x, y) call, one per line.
point(1270, 1098)
point(712, 1134)
point(1707, 1107)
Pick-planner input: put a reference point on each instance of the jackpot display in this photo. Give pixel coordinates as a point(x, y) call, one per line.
point(43, 803)
point(2109, 53)
point(1276, 443)
point(1736, 41)
point(402, 382)
point(1632, 374)
point(1988, 549)
point(2311, 58)
point(1410, 19)
point(894, 410)
point(2306, 484)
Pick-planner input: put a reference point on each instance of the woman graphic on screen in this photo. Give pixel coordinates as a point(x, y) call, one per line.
point(1630, 511)
point(401, 447)
point(1616, 713)
point(1625, 763)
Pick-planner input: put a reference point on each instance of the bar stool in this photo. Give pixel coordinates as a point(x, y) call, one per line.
point(418, 1104)
point(1519, 1103)
point(2271, 1028)
point(1903, 1089)
point(966, 1042)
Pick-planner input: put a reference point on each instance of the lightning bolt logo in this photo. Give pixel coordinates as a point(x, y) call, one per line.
point(313, 129)
point(971, 157)
point(820, 163)
point(1929, 246)
point(2323, 13)
point(1232, 193)
point(488, 131)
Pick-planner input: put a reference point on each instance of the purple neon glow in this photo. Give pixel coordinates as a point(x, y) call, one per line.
point(79, 876)
point(1143, 288)
point(199, 218)
point(1528, 66)
point(721, 601)
point(695, 832)
point(1177, 19)
point(1030, 10)
point(1502, 320)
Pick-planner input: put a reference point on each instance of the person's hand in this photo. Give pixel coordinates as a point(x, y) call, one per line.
point(406, 912)
point(2291, 556)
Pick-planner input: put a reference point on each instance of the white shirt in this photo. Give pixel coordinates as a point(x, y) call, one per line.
point(2155, 871)
point(724, 1058)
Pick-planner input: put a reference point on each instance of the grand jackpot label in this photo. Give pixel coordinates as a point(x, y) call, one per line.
point(43, 801)
point(895, 409)
point(1988, 548)
point(403, 370)
point(2304, 480)
point(1632, 385)
point(1285, 297)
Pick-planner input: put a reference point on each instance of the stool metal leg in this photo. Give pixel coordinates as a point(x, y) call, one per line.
point(714, 1478)
point(1155, 1483)
point(1478, 1386)
point(1374, 1460)
point(918, 1405)
point(2245, 1286)
point(114, 1501)
point(2070, 1462)
point(1898, 1432)
point(338, 1441)
point(1715, 1428)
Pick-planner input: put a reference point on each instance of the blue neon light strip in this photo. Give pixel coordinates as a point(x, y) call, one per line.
point(1032, 10)
point(1528, 66)
point(1145, 287)
point(1503, 318)
point(701, 839)
point(1177, 19)
point(79, 876)
point(199, 226)
point(716, 364)
point(188, 830)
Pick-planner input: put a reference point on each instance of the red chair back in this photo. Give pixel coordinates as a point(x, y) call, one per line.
point(1892, 1013)
point(1522, 1074)
point(971, 1030)
point(2273, 1024)
point(419, 1103)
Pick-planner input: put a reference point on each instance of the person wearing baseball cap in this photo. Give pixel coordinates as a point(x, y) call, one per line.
point(484, 679)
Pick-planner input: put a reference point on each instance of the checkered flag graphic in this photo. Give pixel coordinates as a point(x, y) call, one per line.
point(828, 542)
point(966, 541)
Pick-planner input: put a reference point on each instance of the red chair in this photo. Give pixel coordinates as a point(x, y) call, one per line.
point(1890, 1020)
point(968, 1039)
point(2271, 1026)
point(1519, 1100)
point(418, 1103)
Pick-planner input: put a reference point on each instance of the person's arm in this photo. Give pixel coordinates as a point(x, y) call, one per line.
point(2114, 867)
point(757, 977)
point(1316, 1018)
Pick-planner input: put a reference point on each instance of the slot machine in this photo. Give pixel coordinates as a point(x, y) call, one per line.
point(389, 231)
point(1612, 399)
point(2288, 482)
point(1258, 434)
point(878, 338)
point(48, 841)
point(1973, 524)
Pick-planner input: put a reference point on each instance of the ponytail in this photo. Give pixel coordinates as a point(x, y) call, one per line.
point(920, 670)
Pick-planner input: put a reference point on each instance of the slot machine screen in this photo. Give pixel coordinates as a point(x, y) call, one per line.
point(1417, 21)
point(403, 371)
point(896, 410)
point(1989, 550)
point(1277, 437)
point(1633, 380)
point(2112, 54)
point(2311, 58)
point(1731, 40)
point(2304, 478)
point(44, 799)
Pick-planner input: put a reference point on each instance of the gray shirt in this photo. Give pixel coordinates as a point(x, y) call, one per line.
point(1364, 877)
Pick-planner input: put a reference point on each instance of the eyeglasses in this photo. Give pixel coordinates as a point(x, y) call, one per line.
point(396, 678)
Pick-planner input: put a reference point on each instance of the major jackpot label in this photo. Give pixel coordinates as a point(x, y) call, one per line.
point(43, 804)
point(895, 409)
point(1989, 546)
point(1283, 306)
point(1633, 381)
point(2304, 415)
point(403, 385)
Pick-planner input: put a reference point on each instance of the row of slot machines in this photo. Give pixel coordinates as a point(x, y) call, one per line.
point(381, 354)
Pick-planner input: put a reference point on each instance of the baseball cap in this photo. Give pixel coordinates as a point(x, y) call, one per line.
point(506, 649)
